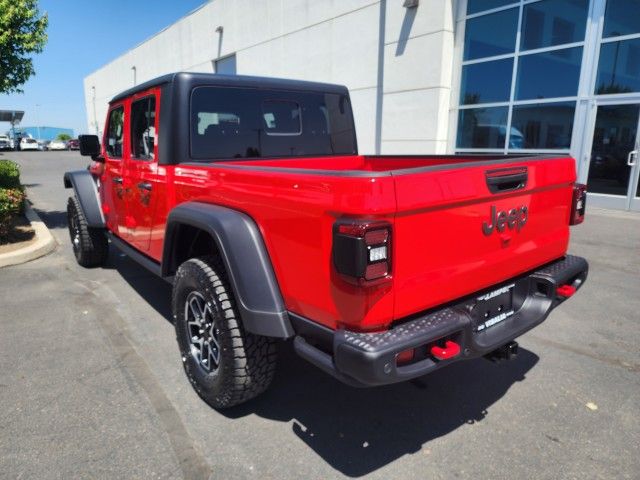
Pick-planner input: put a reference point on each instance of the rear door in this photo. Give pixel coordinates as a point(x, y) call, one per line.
point(141, 168)
point(461, 229)
point(112, 189)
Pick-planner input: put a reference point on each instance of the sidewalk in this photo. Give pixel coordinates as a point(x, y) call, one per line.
point(44, 242)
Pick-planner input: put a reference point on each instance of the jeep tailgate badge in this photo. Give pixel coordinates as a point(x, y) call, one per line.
point(515, 218)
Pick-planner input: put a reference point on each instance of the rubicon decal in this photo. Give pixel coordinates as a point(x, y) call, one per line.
point(516, 218)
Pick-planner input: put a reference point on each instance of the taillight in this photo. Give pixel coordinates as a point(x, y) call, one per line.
point(578, 204)
point(362, 250)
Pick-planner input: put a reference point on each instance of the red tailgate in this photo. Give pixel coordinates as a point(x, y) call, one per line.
point(441, 252)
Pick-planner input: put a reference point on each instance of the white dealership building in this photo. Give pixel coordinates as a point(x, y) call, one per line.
point(432, 76)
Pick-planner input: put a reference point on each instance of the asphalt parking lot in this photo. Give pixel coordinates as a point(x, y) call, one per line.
point(91, 383)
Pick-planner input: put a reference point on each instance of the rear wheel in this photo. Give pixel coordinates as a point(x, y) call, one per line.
point(225, 364)
point(90, 245)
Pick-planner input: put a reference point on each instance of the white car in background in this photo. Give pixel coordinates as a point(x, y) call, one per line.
point(58, 145)
point(5, 143)
point(28, 144)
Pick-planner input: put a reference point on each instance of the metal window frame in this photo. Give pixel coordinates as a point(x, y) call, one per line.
point(461, 20)
point(587, 101)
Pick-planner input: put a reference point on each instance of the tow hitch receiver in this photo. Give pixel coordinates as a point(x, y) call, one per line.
point(506, 352)
point(566, 290)
point(451, 349)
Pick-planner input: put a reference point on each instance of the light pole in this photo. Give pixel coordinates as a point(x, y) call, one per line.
point(134, 75)
point(95, 116)
point(220, 32)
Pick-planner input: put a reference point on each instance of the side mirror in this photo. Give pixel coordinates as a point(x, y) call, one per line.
point(89, 146)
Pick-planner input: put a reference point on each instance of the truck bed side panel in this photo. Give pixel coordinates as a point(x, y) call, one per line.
point(296, 213)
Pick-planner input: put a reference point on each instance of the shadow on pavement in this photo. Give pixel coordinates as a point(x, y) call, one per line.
point(358, 431)
point(154, 290)
point(53, 218)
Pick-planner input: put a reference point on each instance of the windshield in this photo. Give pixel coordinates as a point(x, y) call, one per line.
point(231, 123)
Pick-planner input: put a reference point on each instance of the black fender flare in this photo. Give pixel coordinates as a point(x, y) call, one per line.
point(245, 258)
point(86, 190)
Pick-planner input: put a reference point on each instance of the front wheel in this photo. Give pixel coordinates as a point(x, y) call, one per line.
point(225, 364)
point(90, 245)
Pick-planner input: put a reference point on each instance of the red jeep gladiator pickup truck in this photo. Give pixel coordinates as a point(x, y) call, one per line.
point(249, 195)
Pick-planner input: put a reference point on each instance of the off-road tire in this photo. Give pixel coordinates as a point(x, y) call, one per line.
point(90, 245)
point(247, 362)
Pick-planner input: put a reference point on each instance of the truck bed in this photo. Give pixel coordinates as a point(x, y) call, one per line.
point(436, 205)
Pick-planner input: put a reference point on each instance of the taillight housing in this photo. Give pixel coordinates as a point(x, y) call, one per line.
point(362, 250)
point(578, 204)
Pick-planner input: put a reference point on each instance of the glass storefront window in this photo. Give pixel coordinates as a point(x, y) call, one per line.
point(550, 74)
point(619, 67)
point(486, 82)
point(553, 22)
point(490, 35)
point(614, 136)
point(622, 17)
point(482, 127)
point(517, 32)
point(542, 126)
point(475, 6)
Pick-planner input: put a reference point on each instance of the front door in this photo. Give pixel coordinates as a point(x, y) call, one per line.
point(612, 179)
point(113, 188)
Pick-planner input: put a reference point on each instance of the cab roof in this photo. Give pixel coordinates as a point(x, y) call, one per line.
point(214, 79)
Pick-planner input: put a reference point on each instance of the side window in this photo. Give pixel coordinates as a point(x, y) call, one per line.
point(233, 122)
point(115, 132)
point(143, 132)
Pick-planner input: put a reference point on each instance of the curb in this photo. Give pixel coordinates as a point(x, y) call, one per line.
point(45, 243)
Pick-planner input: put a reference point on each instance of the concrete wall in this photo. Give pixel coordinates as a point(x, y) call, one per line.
point(397, 62)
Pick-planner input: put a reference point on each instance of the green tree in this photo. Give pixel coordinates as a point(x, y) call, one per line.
point(65, 137)
point(23, 31)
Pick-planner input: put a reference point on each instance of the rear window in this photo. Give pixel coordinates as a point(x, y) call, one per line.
point(231, 123)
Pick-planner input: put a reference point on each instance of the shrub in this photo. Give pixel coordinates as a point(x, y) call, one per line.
point(9, 174)
point(11, 195)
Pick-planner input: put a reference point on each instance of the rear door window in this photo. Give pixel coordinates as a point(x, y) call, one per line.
point(115, 131)
point(228, 123)
point(143, 128)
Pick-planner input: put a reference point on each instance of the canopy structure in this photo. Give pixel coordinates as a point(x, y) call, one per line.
point(12, 116)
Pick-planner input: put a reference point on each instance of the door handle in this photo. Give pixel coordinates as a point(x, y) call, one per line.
point(117, 180)
point(145, 186)
point(632, 157)
point(506, 180)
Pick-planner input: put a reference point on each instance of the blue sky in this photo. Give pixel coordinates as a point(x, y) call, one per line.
point(83, 36)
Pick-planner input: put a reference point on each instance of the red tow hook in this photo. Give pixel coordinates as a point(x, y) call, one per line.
point(450, 350)
point(566, 290)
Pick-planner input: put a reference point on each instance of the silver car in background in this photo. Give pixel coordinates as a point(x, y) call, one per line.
point(58, 145)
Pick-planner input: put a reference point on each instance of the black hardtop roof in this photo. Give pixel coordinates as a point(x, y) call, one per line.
point(214, 79)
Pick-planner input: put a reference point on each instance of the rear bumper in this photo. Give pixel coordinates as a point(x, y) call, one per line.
point(369, 359)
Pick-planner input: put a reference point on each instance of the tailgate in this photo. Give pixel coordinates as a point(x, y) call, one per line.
point(464, 228)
